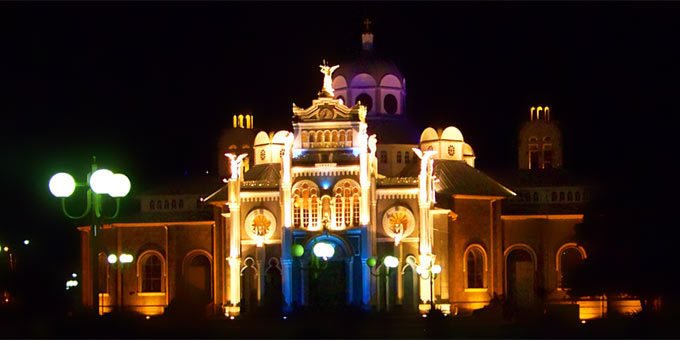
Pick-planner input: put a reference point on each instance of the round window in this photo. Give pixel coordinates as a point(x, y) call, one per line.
point(452, 150)
point(390, 104)
point(365, 100)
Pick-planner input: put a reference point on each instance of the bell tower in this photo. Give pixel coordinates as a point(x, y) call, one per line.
point(540, 141)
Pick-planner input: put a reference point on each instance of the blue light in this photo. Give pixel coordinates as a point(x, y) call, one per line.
point(325, 185)
point(297, 153)
point(356, 151)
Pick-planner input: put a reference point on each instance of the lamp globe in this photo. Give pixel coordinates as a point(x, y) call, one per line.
point(62, 185)
point(101, 181)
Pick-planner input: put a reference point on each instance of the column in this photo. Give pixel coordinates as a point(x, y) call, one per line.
point(286, 230)
point(349, 266)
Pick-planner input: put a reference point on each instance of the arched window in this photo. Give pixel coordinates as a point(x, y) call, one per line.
point(312, 137)
point(305, 204)
point(570, 196)
point(399, 157)
point(569, 256)
point(390, 104)
point(407, 157)
point(346, 203)
point(319, 136)
point(181, 204)
point(578, 196)
point(167, 204)
point(151, 272)
point(356, 211)
point(475, 266)
point(174, 204)
point(305, 139)
point(341, 138)
point(159, 205)
point(152, 206)
point(334, 136)
point(365, 100)
point(349, 138)
point(383, 156)
point(535, 196)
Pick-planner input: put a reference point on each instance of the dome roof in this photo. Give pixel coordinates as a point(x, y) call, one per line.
point(368, 63)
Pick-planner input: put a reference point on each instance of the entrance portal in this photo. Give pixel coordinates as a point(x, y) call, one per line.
point(328, 286)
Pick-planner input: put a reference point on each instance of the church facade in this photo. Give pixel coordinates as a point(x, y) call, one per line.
point(306, 217)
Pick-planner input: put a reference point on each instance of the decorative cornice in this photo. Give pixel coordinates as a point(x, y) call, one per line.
point(327, 169)
point(260, 196)
point(397, 193)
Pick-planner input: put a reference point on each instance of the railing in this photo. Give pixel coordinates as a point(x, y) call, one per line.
point(397, 181)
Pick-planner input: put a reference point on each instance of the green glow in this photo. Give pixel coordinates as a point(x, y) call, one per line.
point(371, 262)
point(297, 250)
point(101, 181)
point(62, 185)
point(120, 186)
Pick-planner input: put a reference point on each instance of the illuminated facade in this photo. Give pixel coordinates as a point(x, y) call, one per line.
point(331, 182)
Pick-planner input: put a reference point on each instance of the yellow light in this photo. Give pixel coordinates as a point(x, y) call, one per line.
point(436, 269)
point(147, 317)
point(583, 322)
point(6, 248)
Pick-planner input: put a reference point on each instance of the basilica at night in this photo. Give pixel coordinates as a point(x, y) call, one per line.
point(349, 206)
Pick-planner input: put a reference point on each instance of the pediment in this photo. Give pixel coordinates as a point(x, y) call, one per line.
point(326, 109)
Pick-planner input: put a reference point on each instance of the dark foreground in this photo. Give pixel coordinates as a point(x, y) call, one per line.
point(349, 324)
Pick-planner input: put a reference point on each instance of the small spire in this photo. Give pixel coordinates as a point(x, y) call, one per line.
point(367, 36)
point(367, 25)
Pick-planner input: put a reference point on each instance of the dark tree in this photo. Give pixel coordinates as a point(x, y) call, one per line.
point(628, 231)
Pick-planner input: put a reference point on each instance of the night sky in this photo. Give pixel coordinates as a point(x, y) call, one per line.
point(146, 87)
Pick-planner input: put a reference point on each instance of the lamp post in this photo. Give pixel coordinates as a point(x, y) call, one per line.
point(430, 272)
point(121, 261)
point(389, 262)
point(322, 252)
point(99, 182)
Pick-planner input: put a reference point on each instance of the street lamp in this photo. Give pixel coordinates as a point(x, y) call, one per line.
point(100, 182)
point(389, 262)
point(429, 272)
point(121, 261)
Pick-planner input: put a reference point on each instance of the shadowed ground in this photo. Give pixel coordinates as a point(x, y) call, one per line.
point(317, 324)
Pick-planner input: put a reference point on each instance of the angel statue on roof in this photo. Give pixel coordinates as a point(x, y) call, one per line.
point(327, 79)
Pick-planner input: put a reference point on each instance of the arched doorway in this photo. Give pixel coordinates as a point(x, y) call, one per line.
point(273, 297)
point(248, 286)
point(410, 286)
point(197, 278)
point(327, 281)
point(521, 278)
